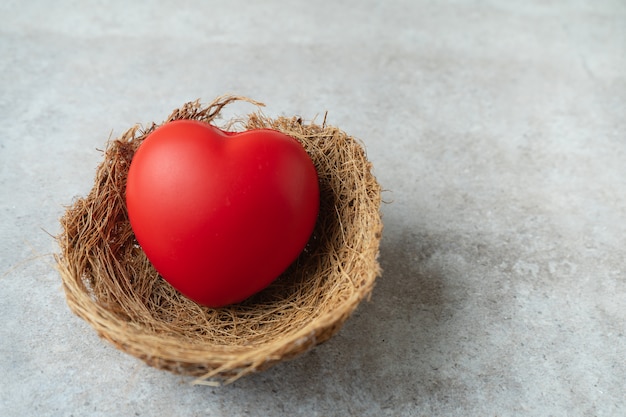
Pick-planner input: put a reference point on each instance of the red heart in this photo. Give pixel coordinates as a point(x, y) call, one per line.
point(221, 215)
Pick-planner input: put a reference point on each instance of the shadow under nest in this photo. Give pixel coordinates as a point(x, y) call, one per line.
point(110, 283)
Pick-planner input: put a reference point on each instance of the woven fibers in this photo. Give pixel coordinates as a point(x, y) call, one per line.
point(110, 283)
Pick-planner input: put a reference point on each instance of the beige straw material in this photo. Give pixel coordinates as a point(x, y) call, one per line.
point(110, 283)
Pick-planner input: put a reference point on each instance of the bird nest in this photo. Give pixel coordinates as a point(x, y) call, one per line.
point(110, 283)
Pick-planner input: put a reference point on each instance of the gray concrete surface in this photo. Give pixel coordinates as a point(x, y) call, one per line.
point(497, 128)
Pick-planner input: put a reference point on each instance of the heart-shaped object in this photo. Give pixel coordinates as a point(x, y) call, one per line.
point(221, 215)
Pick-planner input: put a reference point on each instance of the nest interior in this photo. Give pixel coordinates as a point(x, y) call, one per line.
point(110, 283)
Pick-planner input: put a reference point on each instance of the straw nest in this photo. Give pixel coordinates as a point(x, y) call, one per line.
point(110, 283)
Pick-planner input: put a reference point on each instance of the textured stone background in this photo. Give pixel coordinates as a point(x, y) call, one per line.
point(497, 128)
